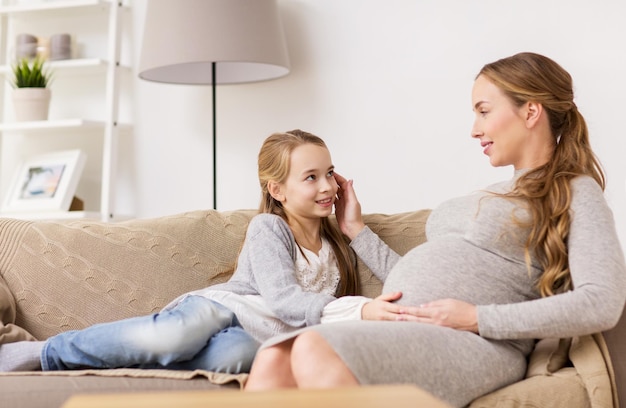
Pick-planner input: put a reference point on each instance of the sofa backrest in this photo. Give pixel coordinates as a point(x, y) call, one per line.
point(72, 274)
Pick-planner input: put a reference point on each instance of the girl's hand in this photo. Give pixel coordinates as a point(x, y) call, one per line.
point(381, 308)
point(451, 313)
point(348, 208)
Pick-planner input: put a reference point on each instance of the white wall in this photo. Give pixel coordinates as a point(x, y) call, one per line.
point(387, 85)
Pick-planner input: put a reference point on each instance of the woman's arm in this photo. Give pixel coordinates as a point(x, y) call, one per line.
point(598, 272)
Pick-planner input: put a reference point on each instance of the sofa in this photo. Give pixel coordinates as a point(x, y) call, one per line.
point(62, 275)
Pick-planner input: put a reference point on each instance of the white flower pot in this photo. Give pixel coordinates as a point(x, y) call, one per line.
point(31, 104)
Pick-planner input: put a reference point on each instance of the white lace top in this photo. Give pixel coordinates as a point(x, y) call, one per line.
point(321, 274)
point(318, 273)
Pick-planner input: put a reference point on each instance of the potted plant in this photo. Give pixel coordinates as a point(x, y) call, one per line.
point(31, 95)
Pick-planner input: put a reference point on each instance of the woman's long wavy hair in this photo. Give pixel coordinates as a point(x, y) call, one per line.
point(532, 77)
point(274, 165)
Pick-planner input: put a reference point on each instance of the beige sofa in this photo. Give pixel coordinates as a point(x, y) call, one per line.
point(57, 276)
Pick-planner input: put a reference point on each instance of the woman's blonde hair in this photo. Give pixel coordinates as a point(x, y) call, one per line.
point(532, 77)
point(274, 165)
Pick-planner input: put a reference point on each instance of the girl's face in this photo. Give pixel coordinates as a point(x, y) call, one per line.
point(310, 188)
point(500, 126)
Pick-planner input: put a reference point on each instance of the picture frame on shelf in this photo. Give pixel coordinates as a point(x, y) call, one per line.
point(45, 182)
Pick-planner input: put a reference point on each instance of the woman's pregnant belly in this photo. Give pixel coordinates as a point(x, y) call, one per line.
point(455, 268)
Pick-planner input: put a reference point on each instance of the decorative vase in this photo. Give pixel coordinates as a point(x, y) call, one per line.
point(31, 104)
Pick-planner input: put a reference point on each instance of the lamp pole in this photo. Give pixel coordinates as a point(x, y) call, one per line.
point(214, 85)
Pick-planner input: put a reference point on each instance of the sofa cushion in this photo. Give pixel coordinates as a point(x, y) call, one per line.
point(9, 332)
point(10, 232)
point(576, 367)
point(548, 356)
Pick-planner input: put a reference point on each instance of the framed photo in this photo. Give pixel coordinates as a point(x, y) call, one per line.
point(45, 182)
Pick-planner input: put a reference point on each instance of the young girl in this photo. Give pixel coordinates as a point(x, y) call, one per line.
point(292, 264)
point(536, 256)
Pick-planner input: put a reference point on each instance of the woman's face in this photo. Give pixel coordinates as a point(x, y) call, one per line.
point(499, 125)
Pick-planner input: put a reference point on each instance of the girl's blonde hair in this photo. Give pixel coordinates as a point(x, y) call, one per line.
point(532, 77)
point(274, 165)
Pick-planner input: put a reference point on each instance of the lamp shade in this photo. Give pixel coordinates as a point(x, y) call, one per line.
point(184, 38)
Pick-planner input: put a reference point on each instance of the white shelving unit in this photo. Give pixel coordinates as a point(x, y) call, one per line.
point(92, 124)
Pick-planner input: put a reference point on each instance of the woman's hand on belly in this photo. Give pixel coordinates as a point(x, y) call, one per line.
point(451, 313)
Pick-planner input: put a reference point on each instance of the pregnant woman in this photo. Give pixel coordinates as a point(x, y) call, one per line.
point(532, 257)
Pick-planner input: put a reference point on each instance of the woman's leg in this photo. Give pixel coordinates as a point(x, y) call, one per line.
point(176, 334)
point(272, 368)
point(307, 361)
point(315, 364)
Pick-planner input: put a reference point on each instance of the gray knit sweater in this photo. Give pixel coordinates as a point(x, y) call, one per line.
point(475, 253)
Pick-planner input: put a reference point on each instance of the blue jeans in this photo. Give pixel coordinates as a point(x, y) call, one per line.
point(197, 333)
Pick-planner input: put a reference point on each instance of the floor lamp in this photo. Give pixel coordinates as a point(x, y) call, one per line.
point(211, 42)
